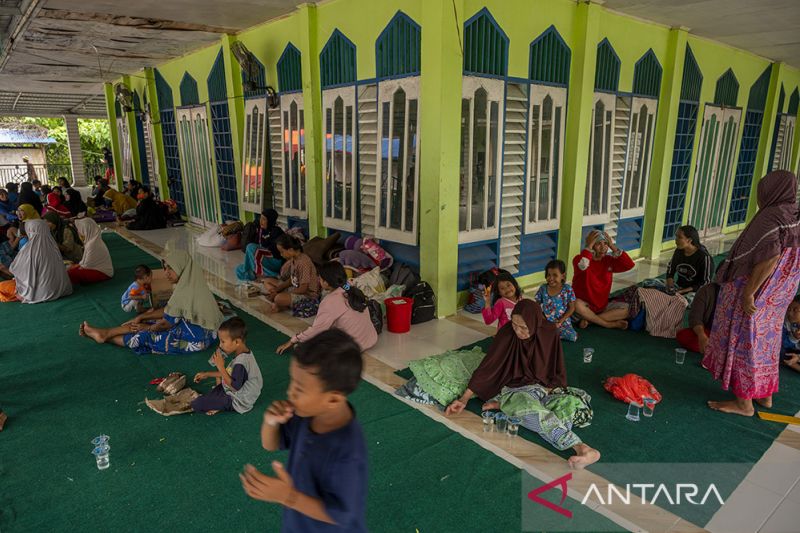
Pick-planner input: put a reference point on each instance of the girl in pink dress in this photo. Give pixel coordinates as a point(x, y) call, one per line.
point(499, 303)
point(757, 282)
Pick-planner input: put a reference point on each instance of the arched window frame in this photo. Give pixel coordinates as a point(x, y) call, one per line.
point(602, 213)
point(495, 94)
point(407, 233)
point(345, 203)
point(254, 153)
point(639, 156)
point(293, 179)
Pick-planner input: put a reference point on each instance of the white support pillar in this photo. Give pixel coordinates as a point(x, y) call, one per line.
point(75, 153)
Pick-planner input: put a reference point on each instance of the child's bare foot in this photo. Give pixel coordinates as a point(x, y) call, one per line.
point(3, 418)
point(584, 456)
point(488, 406)
point(793, 362)
point(212, 412)
point(734, 407)
point(583, 323)
point(619, 324)
point(81, 331)
point(764, 402)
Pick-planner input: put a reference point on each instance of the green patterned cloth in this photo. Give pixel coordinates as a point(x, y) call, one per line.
point(445, 376)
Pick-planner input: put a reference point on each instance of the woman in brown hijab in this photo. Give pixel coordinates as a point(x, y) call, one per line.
point(757, 282)
point(526, 351)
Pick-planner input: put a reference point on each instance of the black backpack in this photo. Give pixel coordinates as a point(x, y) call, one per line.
point(403, 275)
point(424, 306)
point(375, 314)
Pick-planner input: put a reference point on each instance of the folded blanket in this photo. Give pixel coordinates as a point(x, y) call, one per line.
point(445, 376)
point(569, 404)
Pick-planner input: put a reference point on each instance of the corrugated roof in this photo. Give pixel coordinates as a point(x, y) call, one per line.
point(11, 136)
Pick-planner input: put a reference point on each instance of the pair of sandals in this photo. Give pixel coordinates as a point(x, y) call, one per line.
point(177, 399)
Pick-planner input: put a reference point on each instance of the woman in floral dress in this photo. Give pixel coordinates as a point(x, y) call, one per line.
point(187, 324)
point(757, 282)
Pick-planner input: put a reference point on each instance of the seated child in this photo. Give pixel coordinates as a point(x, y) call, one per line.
point(701, 317)
point(558, 299)
point(324, 486)
point(136, 295)
point(239, 385)
point(505, 293)
point(298, 283)
point(790, 345)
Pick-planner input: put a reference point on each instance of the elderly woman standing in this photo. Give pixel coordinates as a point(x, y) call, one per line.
point(757, 282)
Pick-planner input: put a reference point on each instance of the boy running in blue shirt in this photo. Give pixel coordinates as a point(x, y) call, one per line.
point(324, 485)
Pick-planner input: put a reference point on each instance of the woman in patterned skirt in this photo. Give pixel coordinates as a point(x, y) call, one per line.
point(187, 324)
point(757, 282)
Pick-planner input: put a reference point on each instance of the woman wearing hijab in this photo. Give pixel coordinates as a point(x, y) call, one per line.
point(525, 352)
point(187, 324)
point(120, 202)
point(95, 264)
point(148, 213)
point(757, 282)
point(66, 237)
point(74, 202)
point(55, 203)
point(28, 196)
point(38, 270)
point(7, 209)
point(262, 258)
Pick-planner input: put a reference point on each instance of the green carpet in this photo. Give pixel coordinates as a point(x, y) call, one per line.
point(180, 473)
point(683, 429)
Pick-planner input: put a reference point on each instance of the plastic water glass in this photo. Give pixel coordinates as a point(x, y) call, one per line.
point(100, 440)
point(101, 456)
point(633, 412)
point(500, 422)
point(488, 421)
point(680, 355)
point(513, 426)
point(648, 405)
point(588, 353)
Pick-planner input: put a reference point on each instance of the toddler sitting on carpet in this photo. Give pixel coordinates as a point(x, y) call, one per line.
point(137, 293)
point(504, 295)
point(239, 385)
point(790, 344)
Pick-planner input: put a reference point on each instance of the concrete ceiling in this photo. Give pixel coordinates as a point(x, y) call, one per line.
point(769, 28)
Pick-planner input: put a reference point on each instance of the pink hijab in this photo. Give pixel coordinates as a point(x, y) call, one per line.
point(774, 228)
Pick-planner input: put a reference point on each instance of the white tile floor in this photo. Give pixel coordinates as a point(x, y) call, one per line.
point(767, 501)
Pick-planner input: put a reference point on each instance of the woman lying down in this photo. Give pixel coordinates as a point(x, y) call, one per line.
point(523, 375)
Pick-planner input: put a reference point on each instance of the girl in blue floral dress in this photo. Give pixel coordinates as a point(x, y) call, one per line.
point(187, 324)
point(558, 299)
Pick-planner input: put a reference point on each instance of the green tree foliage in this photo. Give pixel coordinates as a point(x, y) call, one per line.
point(94, 134)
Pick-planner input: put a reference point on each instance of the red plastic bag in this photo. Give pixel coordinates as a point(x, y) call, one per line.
point(631, 388)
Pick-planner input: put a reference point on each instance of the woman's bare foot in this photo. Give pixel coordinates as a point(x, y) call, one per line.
point(488, 406)
point(734, 407)
point(3, 418)
point(764, 402)
point(583, 323)
point(212, 412)
point(93, 333)
point(584, 456)
point(81, 331)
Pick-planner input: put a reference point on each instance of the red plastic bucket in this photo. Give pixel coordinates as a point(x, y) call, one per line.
point(398, 314)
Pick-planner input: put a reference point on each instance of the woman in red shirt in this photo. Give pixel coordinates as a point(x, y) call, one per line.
point(594, 272)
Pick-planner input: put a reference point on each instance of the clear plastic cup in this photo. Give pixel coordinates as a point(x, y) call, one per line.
point(101, 456)
point(648, 405)
point(488, 421)
point(633, 412)
point(513, 426)
point(588, 353)
point(100, 440)
point(500, 422)
point(680, 355)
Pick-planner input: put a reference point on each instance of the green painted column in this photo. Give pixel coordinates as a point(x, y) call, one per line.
point(233, 84)
point(108, 90)
point(130, 117)
point(312, 109)
point(158, 140)
point(440, 124)
point(793, 162)
point(578, 130)
point(765, 139)
point(664, 144)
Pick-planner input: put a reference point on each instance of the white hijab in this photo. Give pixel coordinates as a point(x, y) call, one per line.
point(38, 268)
point(95, 252)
